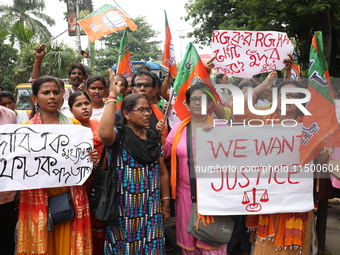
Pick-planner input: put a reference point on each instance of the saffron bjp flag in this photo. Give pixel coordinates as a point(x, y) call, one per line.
point(124, 65)
point(104, 21)
point(320, 129)
point(169, 59)
point(191, 70)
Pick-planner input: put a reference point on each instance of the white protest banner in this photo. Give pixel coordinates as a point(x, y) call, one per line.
point(44, 156)
point(246, 53)
point(247, 170)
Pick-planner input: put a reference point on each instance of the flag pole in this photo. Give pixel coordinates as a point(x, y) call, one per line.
point(58, 35)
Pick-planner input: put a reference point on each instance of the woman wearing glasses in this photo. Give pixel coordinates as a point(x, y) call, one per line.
point(176, 146)
point(141, 183)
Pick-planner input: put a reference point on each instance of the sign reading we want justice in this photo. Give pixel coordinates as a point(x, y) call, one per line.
point(44, 156)
point(246, 170)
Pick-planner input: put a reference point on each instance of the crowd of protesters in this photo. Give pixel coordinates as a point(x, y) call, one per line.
point(128, 114)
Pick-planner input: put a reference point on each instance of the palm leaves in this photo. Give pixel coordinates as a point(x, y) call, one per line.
point(24, 16)
point(57, 58)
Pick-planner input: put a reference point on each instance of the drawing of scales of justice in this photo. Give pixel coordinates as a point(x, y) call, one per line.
point(254, 206)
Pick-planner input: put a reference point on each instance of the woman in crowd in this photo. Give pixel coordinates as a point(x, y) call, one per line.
point(80, 106)
point(7, 99)
point(96, 88)
point(142, 185)
point(176, 146)
point(70, 237)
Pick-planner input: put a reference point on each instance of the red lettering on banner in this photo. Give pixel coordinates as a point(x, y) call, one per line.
point(295, 166)
point(229, 53)
point(261, 147)
point(282, 39)
point(230, 178)
point(221, 186)
point(224, 38)
point(214, 37)
point(239, 148)
point(255, 57)
point(227, 180)
point(276, 145)
point(259, 38)
point(233, 68)
point(232, 143)
point(244, 175)
point(220, 146)
point(275, 175)
point(286, 144)
point(271, 41)
point(274, 54)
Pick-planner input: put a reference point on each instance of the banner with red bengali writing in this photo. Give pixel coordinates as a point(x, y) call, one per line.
point(104, 21)
point(320, 129)
point(124, 65)
point(246, 53)
point(169, 59)
point(252, 170)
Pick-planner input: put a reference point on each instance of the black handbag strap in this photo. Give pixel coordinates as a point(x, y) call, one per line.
point(101, 159)
point(192, 175)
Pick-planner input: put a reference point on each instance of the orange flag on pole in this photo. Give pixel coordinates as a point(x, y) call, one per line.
point(169, 59)
point(320, 129)
point(124, 65)
point(104, 21)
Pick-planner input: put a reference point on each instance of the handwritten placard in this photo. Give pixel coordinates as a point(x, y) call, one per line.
point(246, 53)
point(246, 170)
point(44, 156)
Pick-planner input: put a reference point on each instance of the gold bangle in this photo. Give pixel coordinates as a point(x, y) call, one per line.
point(165, 198)
point(165, 210)
point(111, 100)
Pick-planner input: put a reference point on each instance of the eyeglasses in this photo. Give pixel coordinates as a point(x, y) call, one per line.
point(193, 100)
point(146, 85)
point(143, 110)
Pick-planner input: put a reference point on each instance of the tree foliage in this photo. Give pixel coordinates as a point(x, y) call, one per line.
point(8, 57)
point(57, 60)
point(141, 43)
point(29, 14)
point(298, 18)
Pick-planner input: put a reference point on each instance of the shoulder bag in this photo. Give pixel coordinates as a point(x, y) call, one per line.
point(103, 193)
point(60, 209)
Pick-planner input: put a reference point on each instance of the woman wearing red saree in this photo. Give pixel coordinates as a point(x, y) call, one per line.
point(71, 237)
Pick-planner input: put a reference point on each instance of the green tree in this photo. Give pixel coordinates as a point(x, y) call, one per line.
point(298, 18)
point(8, 58)
point(57, 60)
point(29, 13)
point(141, 43)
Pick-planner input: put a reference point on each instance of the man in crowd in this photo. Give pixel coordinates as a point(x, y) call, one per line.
point(8, 215)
